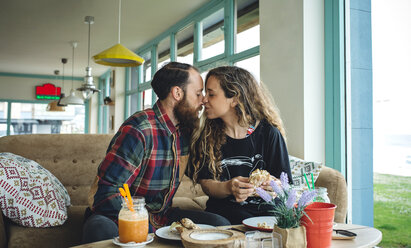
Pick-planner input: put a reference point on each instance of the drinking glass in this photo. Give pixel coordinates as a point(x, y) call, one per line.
point(133, 223)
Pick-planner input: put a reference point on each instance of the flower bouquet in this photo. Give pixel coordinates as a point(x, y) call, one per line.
point(287, 210)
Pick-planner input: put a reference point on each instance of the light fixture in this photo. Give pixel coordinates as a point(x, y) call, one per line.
point(55, 106)
point(52, 107)
point(88, 88)
point(72, 99)
point(57, 72)
point(63, 61)
point(118, 55)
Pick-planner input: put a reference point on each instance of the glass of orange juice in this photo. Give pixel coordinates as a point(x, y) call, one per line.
point(133, 221)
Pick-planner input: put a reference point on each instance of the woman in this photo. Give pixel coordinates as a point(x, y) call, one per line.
point(242, 132)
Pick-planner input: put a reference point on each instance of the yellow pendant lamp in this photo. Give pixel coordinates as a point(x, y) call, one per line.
point(118, 55)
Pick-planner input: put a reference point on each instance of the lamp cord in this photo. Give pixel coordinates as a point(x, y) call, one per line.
point(72, 69)
point(119, 20)
point(88, 60)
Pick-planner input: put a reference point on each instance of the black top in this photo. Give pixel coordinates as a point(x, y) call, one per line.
point(264, 149)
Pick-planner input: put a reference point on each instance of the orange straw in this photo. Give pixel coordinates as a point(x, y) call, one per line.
point(128, 194)
point(123, 193)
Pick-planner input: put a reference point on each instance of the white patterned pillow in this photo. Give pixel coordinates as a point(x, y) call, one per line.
point(298, 167)
point(29, 194)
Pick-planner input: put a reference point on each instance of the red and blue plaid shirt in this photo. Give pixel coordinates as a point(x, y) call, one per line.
point(145, 153)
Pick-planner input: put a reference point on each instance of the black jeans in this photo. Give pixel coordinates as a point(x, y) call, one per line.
point(99, 227)
point(236, 213)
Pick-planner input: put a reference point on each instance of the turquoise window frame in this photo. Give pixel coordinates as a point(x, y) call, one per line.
point(229, 57)
point(335, 98)
point(103, 111)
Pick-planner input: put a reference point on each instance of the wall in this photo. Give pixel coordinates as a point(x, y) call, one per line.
point(119, 98)
point(23, 88)
point(292, 66)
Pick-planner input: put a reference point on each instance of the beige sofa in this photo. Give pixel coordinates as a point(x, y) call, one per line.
point(74, 158)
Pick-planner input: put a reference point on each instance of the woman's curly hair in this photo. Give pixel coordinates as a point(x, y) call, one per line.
point(253, 105)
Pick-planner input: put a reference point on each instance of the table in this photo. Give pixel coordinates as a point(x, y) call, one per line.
point(366, 237)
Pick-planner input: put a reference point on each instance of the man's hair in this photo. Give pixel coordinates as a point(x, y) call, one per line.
point(170, 75)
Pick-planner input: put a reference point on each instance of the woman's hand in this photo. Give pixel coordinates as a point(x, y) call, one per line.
point(266, 185)
point(240, 188)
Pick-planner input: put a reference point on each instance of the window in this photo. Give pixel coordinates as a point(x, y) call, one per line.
point(185, 45)
point(133, 103)
point(133, 81)
point(252, 65)
point(213, 35)
point(248, 25)
point(146, 98)
point(146, 67)
point(205, 53)
point(32, 118)
point(163, 52)
point(3, 118)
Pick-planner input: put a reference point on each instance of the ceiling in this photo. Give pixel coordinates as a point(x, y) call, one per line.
point(36, 34)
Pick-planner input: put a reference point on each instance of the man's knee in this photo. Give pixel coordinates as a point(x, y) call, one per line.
point(99, 227)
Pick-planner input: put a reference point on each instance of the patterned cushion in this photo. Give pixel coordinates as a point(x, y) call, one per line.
point(298, 167)
point(29, 194)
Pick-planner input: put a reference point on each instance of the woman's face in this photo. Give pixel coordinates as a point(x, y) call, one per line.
point(216, 104)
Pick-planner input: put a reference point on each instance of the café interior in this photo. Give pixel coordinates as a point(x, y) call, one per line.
point(313, 56)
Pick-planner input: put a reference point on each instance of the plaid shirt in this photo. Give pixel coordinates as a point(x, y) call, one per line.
point(145, 153)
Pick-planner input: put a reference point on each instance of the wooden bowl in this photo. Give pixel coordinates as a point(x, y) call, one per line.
point(210, 238)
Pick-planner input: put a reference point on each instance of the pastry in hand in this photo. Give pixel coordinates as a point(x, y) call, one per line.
point(258, 177)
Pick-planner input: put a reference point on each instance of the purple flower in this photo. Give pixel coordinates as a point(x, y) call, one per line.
point(292, 196)
point(306, 197)
point(263, 194)
point(284, 181)
point(277, 189)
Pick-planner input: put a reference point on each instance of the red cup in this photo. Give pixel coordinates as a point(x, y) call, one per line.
point(320, 228)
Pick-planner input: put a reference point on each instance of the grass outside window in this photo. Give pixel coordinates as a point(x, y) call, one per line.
point(392, 209)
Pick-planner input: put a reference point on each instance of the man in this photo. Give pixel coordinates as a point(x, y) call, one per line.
point(149, 153)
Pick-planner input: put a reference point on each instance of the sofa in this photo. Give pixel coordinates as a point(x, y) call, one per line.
point(74, 158)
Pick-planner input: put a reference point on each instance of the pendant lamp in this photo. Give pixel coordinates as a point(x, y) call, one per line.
point(56, 72)
point(54, 106)
point(118, 55)
point(88, 88)
point(72, 99)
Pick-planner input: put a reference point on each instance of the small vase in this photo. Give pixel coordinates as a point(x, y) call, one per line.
point(292, 237)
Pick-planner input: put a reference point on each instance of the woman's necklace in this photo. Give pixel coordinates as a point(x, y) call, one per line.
point(250, 130)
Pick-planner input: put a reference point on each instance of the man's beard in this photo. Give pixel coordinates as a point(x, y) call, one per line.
point(187, 116)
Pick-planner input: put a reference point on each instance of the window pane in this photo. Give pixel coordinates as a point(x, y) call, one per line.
point(146, 97)
point(3, 119)
point(133, 78)
point(147, 67)
point(185, 45)
point(213, 35)
point(248, 27)
point(163, 52)
point(132, 104)
point(252, 65)
point(27, 118)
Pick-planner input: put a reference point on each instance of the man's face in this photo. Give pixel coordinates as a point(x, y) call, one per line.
point(188, 109)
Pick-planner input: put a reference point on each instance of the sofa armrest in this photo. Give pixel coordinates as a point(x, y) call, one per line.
point(336, 186)
point(3, 237)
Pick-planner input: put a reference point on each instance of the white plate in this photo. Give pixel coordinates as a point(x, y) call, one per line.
point(150, 239)
point(166, 233)
point(253, 222)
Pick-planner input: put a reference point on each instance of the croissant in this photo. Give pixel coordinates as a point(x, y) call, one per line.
point(258, 177)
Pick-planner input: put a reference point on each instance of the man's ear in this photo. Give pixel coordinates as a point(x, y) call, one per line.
point(177, 93)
